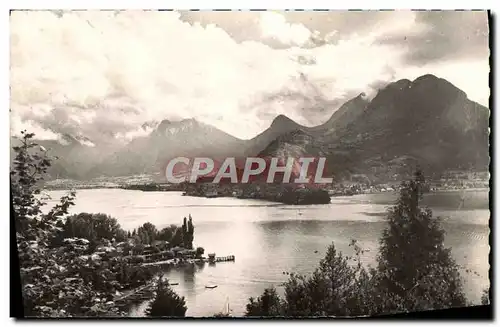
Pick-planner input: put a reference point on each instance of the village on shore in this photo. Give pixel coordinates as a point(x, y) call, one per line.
point(282, 193)
point(140, 260)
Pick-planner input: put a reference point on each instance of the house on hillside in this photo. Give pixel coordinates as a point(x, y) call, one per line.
point(187, 254)
point(161, 245)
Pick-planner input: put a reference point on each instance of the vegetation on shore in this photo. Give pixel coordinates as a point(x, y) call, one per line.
point(271, 192)
point(65, 269)
point(414, 272)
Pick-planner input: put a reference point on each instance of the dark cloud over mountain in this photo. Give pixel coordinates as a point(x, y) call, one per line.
point(446, 35)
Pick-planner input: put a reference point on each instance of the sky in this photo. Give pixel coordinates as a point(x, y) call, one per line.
point(107, 75)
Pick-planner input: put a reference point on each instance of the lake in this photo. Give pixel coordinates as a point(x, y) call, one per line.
point(269, 239)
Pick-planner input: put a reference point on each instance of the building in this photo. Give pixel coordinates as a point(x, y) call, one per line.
point(161, 245)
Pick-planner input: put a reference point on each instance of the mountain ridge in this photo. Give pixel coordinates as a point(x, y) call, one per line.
point(428, 119)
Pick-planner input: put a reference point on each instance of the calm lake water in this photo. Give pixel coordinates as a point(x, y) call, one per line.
point(269, 239)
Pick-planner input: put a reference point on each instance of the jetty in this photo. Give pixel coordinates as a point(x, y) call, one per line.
point(213, 259)
point(178, 263)
point(225, 259)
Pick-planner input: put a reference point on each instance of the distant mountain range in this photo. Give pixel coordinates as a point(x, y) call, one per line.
point(426, 122)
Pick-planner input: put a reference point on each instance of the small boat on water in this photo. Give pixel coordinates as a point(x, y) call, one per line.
point(173, 284)
point(211, 286)
point(227, 311)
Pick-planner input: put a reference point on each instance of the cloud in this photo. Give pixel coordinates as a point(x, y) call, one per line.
point(274, 25)
point(103, 74)
point(33, 127)
point(324, 26)
point(446, 35)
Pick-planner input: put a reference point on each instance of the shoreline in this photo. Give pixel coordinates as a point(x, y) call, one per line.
point(177, 191)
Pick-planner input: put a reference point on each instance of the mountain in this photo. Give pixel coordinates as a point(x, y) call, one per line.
point(280, 125)
point(296, 144)
point(73, 156)
point(343, 116)
point(427, 122)
point(186, 138)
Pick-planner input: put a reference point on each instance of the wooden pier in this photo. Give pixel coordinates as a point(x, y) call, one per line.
point(225, 259)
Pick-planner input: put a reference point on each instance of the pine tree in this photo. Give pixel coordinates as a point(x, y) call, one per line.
point(166, 302)
point(190, 232)
point(416, 271)
point(185, 237)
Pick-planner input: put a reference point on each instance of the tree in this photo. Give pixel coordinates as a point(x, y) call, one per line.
point(199, 251)
point(29, 166)
point(93, 227)
point(190, 233)
point(177, 239)
point(336, 288)
point(166, 302)
point(415, 270)
point(266, 305)
point(184, 229)
point(167, 233)
point(51, 281)
point(62, 280)
point(148, 233)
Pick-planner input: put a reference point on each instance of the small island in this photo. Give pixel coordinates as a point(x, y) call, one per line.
point(154, 187)
point(282, 193)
